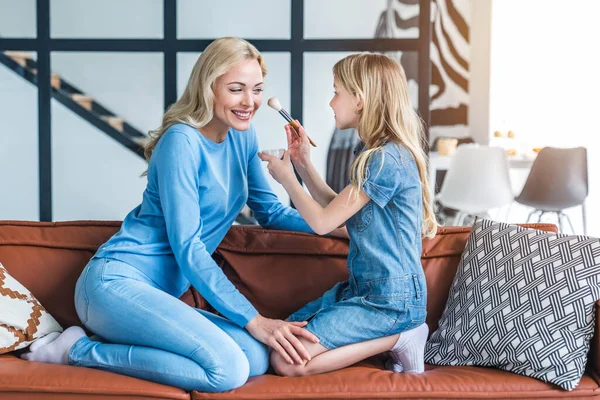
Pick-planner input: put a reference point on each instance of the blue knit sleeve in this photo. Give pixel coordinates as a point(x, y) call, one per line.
point(176, 167)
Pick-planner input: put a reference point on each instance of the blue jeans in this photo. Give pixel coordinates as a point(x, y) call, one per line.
point(154, 336)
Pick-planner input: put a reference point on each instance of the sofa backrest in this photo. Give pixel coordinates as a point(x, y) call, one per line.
point(277, 271)
point(47, 258)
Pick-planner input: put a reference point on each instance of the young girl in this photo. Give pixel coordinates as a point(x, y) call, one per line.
point(387, 211)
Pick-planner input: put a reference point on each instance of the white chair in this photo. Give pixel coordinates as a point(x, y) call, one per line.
point(476, 182)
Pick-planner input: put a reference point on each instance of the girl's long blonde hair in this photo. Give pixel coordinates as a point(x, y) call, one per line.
point(195, 107)
point(379, 83)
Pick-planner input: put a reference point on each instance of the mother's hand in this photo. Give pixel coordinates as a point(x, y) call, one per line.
point(281, 336)
point(281, 170)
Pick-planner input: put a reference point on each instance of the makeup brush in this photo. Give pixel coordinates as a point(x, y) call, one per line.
point(275, 105)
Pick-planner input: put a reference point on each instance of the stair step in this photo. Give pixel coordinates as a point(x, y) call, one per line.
point(84, 101)
point(142, 141)
point(115, 122)
point(54, 78)
point(20, 57)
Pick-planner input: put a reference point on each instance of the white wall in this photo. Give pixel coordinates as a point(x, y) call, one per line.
point(479, 82)
point(544, 82)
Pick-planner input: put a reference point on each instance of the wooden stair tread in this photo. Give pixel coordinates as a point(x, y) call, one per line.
point(112, 118)
point(114, 121)
point(142, 141)
point(19, 54)
point(81, 97)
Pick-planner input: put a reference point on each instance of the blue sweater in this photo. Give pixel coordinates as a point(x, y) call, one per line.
point(196, 188)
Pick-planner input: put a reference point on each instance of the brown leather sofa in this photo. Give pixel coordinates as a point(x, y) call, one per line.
point(278, 272)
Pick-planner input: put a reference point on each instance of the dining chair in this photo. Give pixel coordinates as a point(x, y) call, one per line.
point(476, 182)
point(558, 180)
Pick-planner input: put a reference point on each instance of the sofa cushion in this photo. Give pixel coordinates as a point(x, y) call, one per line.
point(522, 300)
point(22, 318)
point(368, 380)
point(33, 380)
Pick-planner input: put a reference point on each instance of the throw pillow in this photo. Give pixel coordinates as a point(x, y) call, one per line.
point(522, 300)
point(22, 317)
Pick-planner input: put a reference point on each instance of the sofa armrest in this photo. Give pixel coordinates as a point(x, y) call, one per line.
point(594, 354)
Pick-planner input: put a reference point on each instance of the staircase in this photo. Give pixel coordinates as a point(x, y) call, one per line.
point(23, 64)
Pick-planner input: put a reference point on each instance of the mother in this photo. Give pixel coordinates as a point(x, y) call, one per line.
point(203, 168)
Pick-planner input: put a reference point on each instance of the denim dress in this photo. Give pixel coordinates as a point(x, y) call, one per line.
point(386, 292)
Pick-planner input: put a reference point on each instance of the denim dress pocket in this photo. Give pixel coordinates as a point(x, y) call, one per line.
point(384, 316)
point(416, 304)
point(387, 298)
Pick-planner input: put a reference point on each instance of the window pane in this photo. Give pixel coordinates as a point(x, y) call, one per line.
point(17, 19)
point(18, 146)
point(94, 176)
point(360, 19)
point(257, 19)
point(106, 19)
point(318, 91)
point(132, 90)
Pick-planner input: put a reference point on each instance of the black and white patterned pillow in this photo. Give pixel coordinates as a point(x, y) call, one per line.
point(522, 300)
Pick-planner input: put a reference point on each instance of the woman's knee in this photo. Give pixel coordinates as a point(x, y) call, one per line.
point(231, 370)
point(258, 358)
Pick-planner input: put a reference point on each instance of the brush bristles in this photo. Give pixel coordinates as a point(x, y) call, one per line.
point(274, 103)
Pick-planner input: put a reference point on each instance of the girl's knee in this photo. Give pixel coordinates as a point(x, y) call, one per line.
point(283, 368)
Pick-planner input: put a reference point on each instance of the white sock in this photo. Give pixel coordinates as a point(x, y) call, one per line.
point(407, 354)
point(43, 341)
point(54, 351)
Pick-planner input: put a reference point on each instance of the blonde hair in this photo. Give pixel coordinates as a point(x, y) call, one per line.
point(195, 107)
point(379, 83)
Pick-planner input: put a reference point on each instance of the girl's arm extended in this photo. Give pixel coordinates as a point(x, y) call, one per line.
point(321, 219)
point(299, 147)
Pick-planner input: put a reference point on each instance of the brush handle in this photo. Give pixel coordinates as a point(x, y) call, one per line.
point(294, 125)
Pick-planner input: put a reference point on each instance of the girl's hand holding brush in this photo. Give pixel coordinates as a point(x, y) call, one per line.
point(298, 145)
point(275, 105)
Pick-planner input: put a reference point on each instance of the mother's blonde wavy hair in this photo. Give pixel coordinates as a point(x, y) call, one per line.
point(195, 107)
point(379, 83)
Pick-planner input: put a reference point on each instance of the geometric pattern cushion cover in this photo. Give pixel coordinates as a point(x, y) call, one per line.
point(522, 300)
point(22, 317)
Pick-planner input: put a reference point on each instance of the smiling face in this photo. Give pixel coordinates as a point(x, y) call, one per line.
point(345, 107)
point(238, 95)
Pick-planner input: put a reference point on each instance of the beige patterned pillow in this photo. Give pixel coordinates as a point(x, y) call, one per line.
point(22, 317)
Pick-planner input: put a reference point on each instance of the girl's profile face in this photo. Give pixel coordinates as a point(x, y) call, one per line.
point(238, 95)
point(345, 107)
